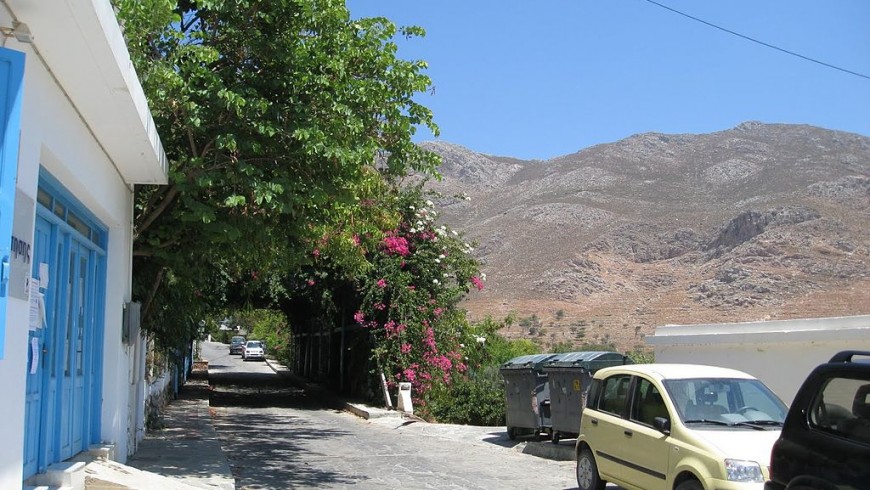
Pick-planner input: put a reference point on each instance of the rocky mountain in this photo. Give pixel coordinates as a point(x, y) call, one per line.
point(762, 221)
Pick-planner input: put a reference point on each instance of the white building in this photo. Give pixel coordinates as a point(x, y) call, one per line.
point(781, 353)
point(76, 136)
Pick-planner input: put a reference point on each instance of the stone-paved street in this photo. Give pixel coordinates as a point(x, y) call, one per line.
point(278, 436)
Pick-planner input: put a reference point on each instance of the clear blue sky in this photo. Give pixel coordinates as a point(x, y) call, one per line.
point(538, 79)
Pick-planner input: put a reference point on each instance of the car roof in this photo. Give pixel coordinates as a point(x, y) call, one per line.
point(674, 371)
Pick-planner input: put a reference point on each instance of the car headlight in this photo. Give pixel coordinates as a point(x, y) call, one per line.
point(738, 470)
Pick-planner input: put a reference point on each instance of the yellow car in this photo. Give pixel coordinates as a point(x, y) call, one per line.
point(677, 427)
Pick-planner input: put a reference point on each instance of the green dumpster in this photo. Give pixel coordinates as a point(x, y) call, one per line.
point(569, 376)
point(526, 395)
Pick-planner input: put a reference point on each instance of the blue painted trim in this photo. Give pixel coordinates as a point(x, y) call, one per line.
point(12, 72)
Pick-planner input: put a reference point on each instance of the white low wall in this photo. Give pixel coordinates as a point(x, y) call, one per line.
point(781, 353)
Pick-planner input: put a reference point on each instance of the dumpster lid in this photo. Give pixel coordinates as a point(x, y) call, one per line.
point(587, 359)
point(530, 361)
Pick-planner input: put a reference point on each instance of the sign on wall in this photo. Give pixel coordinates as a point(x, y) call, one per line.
point(22, 246)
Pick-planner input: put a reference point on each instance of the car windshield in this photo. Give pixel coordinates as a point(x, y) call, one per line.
point(726, 401)
point(254, 344)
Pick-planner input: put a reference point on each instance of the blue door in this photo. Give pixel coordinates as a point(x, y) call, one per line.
point(40, 379)
point(63, 389)
point(11, 77)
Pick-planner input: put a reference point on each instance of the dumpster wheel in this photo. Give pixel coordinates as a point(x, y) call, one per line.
point(556, 437)
point(512, 433)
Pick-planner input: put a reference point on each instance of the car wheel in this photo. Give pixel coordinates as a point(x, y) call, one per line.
point(690, 485)
point(587, 472)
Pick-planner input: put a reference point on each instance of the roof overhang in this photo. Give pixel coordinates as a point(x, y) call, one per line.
point(82, 44)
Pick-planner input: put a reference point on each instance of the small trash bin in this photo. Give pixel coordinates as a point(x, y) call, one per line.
point(569, 376)
point(527, 395)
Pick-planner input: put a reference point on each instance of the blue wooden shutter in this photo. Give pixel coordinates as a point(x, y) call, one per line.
point(11, 78)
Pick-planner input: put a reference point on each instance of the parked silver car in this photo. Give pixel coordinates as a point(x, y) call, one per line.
point(254, 349)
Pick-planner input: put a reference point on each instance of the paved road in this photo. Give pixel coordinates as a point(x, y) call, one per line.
point(278, 436)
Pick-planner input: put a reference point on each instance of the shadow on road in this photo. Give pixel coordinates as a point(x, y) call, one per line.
point(263, 442)
point(251, 389)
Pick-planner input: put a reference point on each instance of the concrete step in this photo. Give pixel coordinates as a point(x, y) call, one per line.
point(66, 475)
point(102, 451)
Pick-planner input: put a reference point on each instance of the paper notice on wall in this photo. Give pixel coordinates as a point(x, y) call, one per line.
point(43, 275)
point(34, 358)
point(36, 313)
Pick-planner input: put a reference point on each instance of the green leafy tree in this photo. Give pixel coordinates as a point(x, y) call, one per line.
point(279, 120)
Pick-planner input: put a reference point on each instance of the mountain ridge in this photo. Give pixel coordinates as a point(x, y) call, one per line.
point(600, 246)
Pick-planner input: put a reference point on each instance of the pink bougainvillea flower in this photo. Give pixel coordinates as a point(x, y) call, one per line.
point(382, 283)
point(316, 252)
point(380, 306)
point(405, 348)
point(359, 317)
point(396, 245)
point(355, 239)
point(477, 282)
point(311, 282)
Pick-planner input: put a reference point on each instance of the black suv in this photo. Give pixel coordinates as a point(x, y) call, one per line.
point(825, 442)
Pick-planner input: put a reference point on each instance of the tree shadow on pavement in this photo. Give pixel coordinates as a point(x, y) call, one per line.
point(265, 443)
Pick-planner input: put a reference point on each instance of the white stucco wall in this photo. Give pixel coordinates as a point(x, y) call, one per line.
point(781, 353)
point(57, 135)
point(53, 135)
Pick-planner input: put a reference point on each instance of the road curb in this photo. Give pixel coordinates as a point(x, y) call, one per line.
point(547, 450)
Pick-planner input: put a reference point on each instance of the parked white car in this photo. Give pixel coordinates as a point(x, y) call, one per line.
point(254, 349)
point(677, 427)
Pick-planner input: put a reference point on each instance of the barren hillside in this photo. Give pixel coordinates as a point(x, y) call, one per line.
point(757, 222)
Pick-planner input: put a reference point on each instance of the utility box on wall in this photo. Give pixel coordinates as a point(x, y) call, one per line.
point(131, 322)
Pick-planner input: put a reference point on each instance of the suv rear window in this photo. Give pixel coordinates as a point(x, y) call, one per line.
point(843, 408)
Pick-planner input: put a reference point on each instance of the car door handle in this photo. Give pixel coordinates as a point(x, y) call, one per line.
point(593, 421)
point(628, 432)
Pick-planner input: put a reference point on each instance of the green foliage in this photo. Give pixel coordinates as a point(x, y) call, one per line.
point(271, 327)
point(642, 356)
point(475, 399)
point(561, 347)
point(280, 121)
point(478, 397)
point(606, 346)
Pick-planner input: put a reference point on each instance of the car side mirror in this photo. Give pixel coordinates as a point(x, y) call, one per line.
point(662, 424)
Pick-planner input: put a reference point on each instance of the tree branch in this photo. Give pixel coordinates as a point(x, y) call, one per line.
point(168, 199)
point(146, 308)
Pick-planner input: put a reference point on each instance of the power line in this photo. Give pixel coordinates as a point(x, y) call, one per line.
point(771, 46)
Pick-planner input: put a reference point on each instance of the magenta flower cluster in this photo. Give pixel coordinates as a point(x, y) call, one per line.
point(396, 245)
